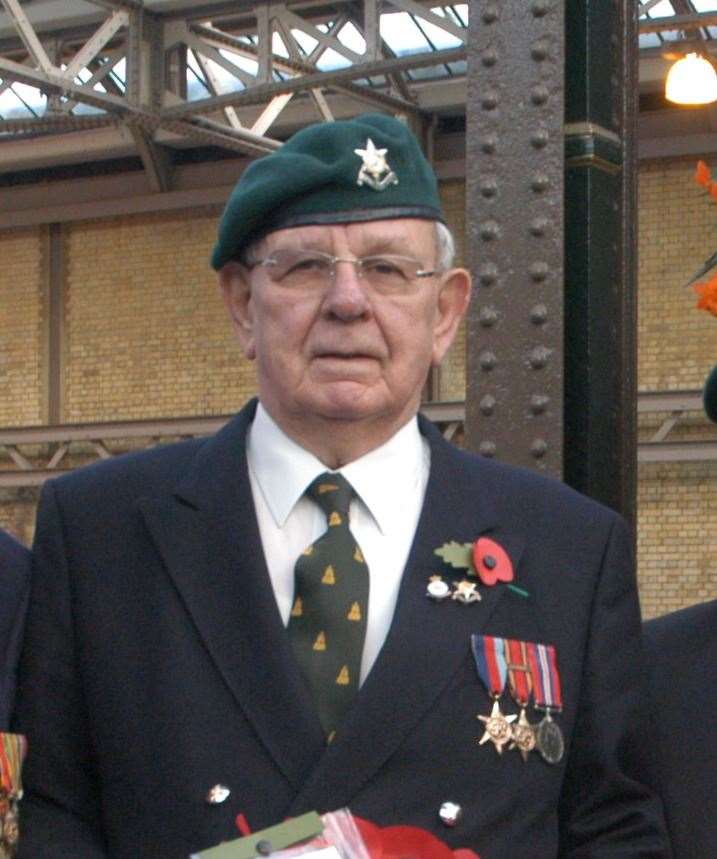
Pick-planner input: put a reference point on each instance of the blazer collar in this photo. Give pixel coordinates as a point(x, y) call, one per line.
point(208, 536)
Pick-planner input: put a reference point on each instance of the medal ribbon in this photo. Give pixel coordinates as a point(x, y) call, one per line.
point(546, 681)
point(489, 655)
point(519, 673)
point(12, 752)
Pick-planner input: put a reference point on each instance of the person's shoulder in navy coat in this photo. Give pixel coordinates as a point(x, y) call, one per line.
point(14, 585)
point(682, 655)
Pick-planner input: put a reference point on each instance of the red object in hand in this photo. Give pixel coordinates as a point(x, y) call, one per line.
point(406, 842)
point(491, 562)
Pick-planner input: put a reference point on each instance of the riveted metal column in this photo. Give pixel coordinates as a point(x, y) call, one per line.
point(600, 323)
point(514, 157)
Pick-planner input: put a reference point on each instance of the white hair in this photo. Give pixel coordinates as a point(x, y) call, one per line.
point(445, 247)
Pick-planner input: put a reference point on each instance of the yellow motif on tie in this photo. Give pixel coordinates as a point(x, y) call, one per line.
point(330, 737)
point(343, 678)
point(309, 550)
point(320, 643)
point(355, 612)
point(298, 608)
point(327, 487)
point(328, 578)
point(334, 519)
point(358, 556)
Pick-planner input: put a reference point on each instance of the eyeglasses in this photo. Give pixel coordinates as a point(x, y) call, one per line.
point(314, 270)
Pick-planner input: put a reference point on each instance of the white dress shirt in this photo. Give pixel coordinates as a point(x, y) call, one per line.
point(390, 483)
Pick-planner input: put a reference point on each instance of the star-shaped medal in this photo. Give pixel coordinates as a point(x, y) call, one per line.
point(523, 736)
point(497, 728)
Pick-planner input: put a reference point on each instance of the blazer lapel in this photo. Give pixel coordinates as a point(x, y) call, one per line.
point(427, 642)
point(209, 539)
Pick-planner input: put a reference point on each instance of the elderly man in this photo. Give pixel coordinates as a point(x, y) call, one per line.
point(326, 604)
point(14, 584)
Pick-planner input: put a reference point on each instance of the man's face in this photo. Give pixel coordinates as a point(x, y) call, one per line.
point(345, 352)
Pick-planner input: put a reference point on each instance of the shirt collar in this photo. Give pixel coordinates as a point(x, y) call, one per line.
point(382, 478)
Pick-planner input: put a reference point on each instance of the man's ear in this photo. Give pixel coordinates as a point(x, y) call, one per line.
point(454, 293)
point(236, 292)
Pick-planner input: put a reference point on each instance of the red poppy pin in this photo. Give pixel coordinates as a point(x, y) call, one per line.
point(484, 558)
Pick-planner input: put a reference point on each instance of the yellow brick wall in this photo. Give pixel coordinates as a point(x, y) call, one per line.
point(677, 232)
point(677, 345)
point(17, 513)
point(677, 535)
point(21, 313)
point(147, 334)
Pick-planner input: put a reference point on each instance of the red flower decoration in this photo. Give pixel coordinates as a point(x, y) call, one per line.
point(707, 293)
point(491, 561)
point(702, 175)
point(406, 842)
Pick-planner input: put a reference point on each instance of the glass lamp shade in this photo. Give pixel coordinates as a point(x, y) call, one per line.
point(691, 80)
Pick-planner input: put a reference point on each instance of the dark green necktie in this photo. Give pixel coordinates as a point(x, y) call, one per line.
point(327, 626)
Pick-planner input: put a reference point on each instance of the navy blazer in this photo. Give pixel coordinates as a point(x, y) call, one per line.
point(681, 651)
point(157, 666)
point(14, 587)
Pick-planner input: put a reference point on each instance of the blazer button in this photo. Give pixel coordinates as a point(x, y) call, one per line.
point(450, 813)
point(217, 794)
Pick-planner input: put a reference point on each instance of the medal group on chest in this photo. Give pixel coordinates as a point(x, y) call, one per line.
point(529, 671)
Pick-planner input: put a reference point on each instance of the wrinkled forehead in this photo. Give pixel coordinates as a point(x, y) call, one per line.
point(395, 235)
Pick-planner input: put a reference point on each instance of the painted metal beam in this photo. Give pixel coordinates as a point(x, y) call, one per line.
point(95, 44)
point(262, 92)
point(155, 159)
point(290, 66)
point(129, 5)
point(28, 35)
point(677, 22)
point(54, 82)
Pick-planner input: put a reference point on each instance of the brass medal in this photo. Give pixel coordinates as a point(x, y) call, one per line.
point(498, 727)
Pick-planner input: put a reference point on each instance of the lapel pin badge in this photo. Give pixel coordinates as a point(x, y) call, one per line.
point(438, 590)
point(484, 559)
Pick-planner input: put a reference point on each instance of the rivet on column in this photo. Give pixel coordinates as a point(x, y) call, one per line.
point(538, 314)
point(539, 94)
point(539, 271)
point(487, 448)
point(539, 138)
point(539, 357)
point(539, 403)
point(488, 316)
point(539, 448)
point(539, 183)
point(487, 405)
point(488, 274)
point(488, 360)
point(489, 230)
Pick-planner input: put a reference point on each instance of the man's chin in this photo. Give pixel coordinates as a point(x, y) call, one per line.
point(348, 401)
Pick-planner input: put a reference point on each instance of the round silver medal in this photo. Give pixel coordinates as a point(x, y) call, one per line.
point(549, 741)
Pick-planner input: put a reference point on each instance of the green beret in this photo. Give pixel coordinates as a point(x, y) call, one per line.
point(709, 395)
point(362, 169)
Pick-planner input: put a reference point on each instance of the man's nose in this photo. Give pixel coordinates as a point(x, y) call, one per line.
point(347, 297)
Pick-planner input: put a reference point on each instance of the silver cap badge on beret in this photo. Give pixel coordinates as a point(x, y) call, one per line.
point(375, 171)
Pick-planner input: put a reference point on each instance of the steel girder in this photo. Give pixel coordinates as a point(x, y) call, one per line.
point(243, 56)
